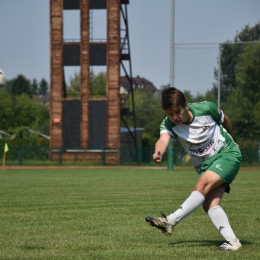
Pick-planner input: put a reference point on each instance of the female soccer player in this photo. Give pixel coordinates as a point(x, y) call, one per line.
point(205, 133)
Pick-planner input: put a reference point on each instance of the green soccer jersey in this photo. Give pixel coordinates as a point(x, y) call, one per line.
point(204, 136)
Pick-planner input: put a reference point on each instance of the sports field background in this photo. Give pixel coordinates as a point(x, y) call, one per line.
point(99, 214)
point(34, 155)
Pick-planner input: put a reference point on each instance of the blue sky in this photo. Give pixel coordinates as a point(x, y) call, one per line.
point(25, 37)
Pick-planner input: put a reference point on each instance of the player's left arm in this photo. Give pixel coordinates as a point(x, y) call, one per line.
point(227, 125)
point(220, 117)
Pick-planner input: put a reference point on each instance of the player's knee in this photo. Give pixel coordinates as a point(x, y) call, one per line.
point(202, 187)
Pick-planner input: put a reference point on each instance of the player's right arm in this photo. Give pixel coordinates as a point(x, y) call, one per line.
point(160, 147)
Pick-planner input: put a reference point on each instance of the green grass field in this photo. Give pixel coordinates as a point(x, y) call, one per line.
point(99, 214)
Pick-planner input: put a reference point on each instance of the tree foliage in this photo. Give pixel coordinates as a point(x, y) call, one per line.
point(73, 89)
point(22, 85)
point(148, 112)
point(19, 85)
point(43, 88)
point(230, 53)
point(246, 115)
point(35, 86)
point(97, 85)
point(22, 111)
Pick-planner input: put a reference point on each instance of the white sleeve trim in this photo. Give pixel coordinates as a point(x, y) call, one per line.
point(222, 117)
point(167, 132)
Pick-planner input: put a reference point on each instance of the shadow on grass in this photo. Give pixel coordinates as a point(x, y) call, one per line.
point(203, 243)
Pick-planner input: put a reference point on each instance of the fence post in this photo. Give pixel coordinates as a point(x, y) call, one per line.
point(251, 156)
point(104, 156)
point(20, 156)
point(139, 156)
point(170, 155)
point(60, 156)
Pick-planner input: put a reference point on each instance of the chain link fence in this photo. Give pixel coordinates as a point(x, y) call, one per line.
point(42, 156)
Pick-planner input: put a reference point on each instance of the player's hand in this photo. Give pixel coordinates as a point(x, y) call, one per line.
point(157, 157)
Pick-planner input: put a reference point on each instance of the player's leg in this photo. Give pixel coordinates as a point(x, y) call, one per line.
point(216, 171)
point(220, 219)
point(208, 181)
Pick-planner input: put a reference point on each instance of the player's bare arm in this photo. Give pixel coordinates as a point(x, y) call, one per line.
point(160, 147)
point(227, 125)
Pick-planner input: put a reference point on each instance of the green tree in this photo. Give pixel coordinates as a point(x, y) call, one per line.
point(248, 71)
point(19, 85)
point(35, 86)
point(188, 96)
point(229, 58)
point(73, 89)
point(98, 84)
point(21, 111)
point(246, 115)
point(148, 112)
point(6, 110)
point(210, 95)
point(43, 87)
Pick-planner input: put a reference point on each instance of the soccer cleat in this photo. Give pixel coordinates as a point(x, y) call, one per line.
point(227, 245)
point(161, 223)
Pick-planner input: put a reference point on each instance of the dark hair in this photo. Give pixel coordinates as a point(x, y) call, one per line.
point(172, 98)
